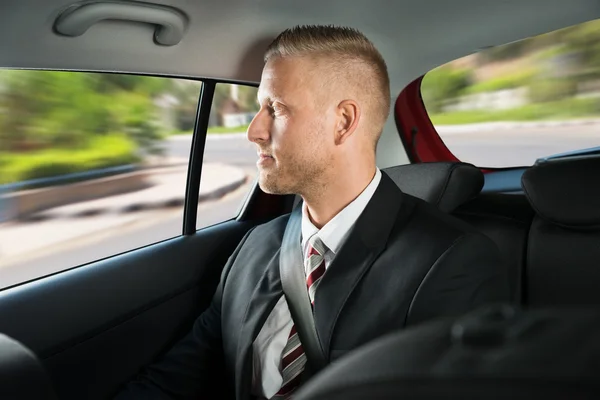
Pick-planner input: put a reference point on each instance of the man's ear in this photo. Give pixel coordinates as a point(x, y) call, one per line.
point(348, 116)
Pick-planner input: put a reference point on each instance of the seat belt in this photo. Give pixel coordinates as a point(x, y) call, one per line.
point(293, 281)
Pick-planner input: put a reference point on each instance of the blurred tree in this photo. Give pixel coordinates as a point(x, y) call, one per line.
point(584, 39)
point(504, 52)
point(442, 84)
point(43, 109)
point(134, 114)
point(247, 98)
point(241, 98)
point(222, 93)
point(187, 96)
point(52, 109)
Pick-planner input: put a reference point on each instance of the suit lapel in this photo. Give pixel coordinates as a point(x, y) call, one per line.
point(365, 242)
point(264, 297)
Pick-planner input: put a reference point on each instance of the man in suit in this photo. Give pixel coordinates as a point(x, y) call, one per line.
point(375, 260)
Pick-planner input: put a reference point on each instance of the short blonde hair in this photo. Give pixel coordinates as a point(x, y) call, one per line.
point(349, 53)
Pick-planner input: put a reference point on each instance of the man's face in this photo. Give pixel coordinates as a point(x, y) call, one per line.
point(293, 130)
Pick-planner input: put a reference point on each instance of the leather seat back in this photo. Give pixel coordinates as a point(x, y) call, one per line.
point(455, 188)
point(444, 184)
point(495, 352)
point(22, 376)
point(564, 240)
point(506, 219)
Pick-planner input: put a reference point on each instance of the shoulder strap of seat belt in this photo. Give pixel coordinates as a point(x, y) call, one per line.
point(293, 281)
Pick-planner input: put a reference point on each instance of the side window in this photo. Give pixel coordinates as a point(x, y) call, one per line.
point(229, 165)
point(513, 104)
point(90, 166)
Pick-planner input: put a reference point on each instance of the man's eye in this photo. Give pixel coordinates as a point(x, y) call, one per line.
point(275, 110)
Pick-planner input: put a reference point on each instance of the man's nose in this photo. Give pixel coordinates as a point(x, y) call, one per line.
point(258, 130)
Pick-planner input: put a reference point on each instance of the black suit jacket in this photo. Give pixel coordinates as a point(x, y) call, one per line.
point(403, 262)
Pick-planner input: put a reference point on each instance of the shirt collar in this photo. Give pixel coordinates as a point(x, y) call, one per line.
point(336, 230)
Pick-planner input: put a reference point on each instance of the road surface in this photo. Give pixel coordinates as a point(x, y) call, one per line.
point(520, 147)
point(151, 229)
point(229, 149)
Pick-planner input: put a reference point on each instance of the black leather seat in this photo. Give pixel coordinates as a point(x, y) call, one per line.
point(22, 376)
point(455, 188)
point(445, 184)
point(506, 219)
point(564, 240)
point(495, 352)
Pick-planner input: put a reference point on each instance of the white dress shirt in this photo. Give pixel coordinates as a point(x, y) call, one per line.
point(269, 344)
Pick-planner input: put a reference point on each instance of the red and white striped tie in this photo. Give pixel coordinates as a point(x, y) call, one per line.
point(293, 358)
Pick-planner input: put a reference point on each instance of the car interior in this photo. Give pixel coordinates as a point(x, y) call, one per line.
point(85, 330)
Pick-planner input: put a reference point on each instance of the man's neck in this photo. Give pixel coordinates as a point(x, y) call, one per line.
point(332, 198)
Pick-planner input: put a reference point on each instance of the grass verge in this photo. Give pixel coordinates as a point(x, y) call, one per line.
point(557, 110)
point(101, 152)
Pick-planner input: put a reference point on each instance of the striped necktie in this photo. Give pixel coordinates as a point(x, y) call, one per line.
point(293, 358)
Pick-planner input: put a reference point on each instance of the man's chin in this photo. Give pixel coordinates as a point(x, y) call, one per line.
point(269, 186)
point(269, 189)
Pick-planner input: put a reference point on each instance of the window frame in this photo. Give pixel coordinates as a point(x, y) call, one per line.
point(419, 137)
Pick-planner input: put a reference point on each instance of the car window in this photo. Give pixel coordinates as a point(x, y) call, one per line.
point(90, 166)
point(229, 163)
point(513, 104)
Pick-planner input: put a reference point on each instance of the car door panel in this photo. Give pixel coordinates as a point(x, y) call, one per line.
point(95, 325)
point(95, 368)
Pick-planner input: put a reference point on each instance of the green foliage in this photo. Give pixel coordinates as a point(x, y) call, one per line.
point(247, 98)
point(222, 93)
point(505, 52)
point(65, 110)
point(508, 81)
point(247, 101)
point(217, 130)
point(562, 61)
point(100, 152)
point(550, 52)
point(558, 110)
point(442, 84)
point(40, 110)
point(134, 115)
point(548, 89)
point(585, 40)
point(222, 129)
point(146, 85)
point(54, 123)
point(187, 95)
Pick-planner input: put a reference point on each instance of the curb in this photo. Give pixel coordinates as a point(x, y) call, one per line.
point(21, 204)
point(99, 232)
point(175, 202)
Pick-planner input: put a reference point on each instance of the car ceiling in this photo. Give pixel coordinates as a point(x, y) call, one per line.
point(226, 38)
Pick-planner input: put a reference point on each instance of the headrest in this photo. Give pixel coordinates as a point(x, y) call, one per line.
point(21, 373)
point(444, 184)
point(565, 192)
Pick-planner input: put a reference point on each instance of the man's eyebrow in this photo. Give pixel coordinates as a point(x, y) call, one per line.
point(265, 98)
point(270, 99)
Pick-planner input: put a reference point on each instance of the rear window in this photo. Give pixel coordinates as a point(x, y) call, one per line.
point(510, 105)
